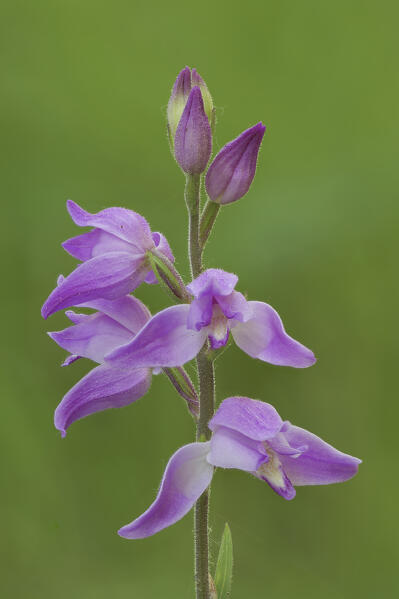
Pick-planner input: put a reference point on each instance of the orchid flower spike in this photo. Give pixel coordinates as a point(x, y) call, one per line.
point(113, 254)
point(175, 335)
point(232, 171)
point(248, 435)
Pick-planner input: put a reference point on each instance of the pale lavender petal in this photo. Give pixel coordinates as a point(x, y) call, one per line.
point(108, 276)
point(70, 360)
point(250, 417)
point(127, 310)
point(264, 337)
point(121, 222)
point(213, 281)
point(200, 313)
point(96, 242)
point(231, 449)
point(320, 463)
point(151, 278)
point(165, 341)
point(92, 338)
point(186, 477)
point(161, 243)
point(75, 317)
point(104, 387)
point(235, 306)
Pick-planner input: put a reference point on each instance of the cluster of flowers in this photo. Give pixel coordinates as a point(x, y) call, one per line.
point(129, 345)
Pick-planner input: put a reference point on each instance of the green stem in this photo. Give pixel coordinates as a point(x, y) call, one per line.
point(208, 217)
point(206, 379)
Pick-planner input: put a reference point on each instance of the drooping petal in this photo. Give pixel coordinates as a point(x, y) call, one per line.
point(129, 311)
point(94, 243)
point(255, 419)
point(102, 388)
point(121, 222)
point(319, 463)
point(235, 306)
point(213, 281)
point(165, 341)
point(108, 276)
point(92, 338)
point(186, 477)
point(231, 449)
point(264, 337)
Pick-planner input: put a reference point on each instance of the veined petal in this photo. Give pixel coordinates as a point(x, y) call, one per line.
point(319, 462)
point(231, 449)
point(186, 477)
point(94, 243)
point(129, 311)
point(255, 419)
point(102, 388)
point(108, 276)
point(264, 337)
point(93, 337)
point(165, 341)
point(121, 222)
point(213, 281)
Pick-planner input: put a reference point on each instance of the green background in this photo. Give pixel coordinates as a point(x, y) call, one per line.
point(84, 87)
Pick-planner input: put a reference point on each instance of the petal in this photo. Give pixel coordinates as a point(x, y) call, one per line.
point(92, 338)
point(127, 310)
point(235, 306)
point(274, 474)
point(161, 243)
point(264, 337)
point(319, 462)
point(186, 477)
point(104, 387)
point(122, 223)
point(231, 449)
point(165, 341)
point(213, 281)
point(96, 242)
point(200, 313)
point(255, 419)
point(109, 276)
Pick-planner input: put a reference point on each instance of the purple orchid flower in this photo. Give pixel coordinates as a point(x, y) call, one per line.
point(232, 171)
point(248, 435)
point(113, 254)
point(114, 323)
point(175, 335)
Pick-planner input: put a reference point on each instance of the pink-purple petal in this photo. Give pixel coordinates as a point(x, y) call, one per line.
point(94, 243)
point(186, 477)
point(102, 388)
point(129, 311)
point(108, 276)
point(264, 337)
point(213, 281)
point(121, 222)
point(165, 341)
point(319, 462)
point(93, 337)
point(235, 306)
point(231, 449)
point(255, 419)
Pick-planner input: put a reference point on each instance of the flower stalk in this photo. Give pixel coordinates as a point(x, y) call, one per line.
point(206, 378)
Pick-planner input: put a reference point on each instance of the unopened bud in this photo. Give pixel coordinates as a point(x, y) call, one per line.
point(233, 169)
point(193, 139)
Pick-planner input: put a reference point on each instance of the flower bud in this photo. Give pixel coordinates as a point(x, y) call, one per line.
point(186, 80)
point(233, 169)
point(193, 139)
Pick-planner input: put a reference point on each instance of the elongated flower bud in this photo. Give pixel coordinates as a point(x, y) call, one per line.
point(193, 139)
point(233, 169)
point(186, 80)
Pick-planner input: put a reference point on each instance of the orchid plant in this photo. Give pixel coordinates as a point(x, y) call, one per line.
point(129, 345)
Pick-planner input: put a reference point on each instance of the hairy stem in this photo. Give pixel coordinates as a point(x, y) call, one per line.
point(206, 379)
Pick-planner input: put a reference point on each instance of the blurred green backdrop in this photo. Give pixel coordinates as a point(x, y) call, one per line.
point(82, 104)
